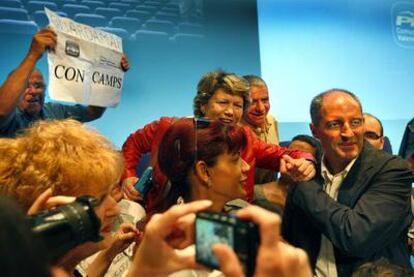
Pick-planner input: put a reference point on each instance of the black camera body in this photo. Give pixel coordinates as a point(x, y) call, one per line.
point(65, 227)
point(241, 235)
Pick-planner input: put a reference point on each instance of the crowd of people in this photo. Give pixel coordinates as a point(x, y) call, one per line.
point(330, 204)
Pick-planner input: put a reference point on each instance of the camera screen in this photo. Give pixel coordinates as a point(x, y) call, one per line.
point(208, 233)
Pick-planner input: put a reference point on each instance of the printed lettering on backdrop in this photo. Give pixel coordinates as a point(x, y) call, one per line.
point(85, 68)
point(403, 23)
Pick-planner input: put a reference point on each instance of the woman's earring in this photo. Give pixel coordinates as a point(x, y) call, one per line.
point(180, 200)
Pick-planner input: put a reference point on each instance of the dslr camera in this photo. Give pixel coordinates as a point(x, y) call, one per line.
point(241, 235)
point(67, 226)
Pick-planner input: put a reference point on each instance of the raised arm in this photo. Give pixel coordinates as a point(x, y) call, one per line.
point(269, 156)
point(15, 84)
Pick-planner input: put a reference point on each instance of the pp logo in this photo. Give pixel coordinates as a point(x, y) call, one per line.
point(403, 23)
point(72, 49)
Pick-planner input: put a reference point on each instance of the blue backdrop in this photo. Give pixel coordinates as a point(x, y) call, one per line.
point(365, 46)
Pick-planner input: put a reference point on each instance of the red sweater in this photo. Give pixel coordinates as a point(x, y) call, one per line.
point(145, 140)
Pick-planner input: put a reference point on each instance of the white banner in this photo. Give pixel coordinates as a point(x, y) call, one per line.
point(85, 68)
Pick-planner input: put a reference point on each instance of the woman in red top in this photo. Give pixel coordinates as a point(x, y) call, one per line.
point(220, 96)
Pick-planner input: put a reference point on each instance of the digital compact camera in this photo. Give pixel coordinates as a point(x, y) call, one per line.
point(241, 235)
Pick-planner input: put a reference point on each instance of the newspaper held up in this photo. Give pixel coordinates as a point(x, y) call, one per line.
point(85, 68)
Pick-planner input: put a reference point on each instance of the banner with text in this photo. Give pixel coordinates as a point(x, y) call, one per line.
point(85, 68)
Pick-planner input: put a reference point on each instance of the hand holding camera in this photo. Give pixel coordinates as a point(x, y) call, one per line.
point(174, 229)
point(164, 233)
point(145, 182)
point(64, 227)
point(136, 188)
point(274, 257)
point(47, 201)
point(129, 190)
point(242, 236)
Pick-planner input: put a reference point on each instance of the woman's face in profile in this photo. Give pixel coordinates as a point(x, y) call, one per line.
point(228, 177)
point(107, 210)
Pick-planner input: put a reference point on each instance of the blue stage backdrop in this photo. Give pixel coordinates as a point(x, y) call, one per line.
point(365, 46)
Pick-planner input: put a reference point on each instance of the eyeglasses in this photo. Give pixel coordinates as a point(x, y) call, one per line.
point(371, 135)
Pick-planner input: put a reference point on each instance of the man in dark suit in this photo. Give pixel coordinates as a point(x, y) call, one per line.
point(357, 209)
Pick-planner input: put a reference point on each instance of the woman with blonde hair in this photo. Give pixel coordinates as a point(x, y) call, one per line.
point(63, 158)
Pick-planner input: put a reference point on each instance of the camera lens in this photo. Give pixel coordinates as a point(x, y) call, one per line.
point(65, 227)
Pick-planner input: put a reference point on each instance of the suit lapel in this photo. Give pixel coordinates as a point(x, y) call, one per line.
point(358, 178)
